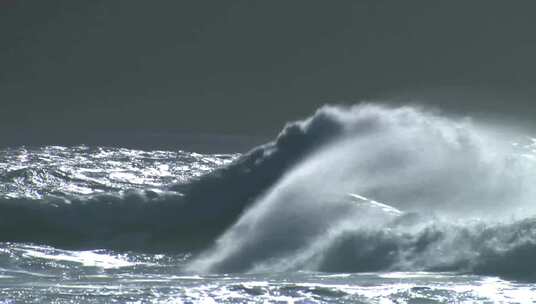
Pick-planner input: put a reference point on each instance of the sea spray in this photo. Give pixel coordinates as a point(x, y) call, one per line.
point(411, 159)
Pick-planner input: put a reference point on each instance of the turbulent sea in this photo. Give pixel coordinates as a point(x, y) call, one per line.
point(361, 204)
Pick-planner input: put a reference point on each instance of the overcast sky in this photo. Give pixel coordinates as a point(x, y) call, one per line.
point(247, 67)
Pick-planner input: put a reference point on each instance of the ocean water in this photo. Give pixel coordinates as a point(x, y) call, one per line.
point(362, 204)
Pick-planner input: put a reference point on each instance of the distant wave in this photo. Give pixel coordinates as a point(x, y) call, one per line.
point(38, 172)
point(284, 205)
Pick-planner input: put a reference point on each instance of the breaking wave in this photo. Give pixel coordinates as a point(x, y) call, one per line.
point(435, 169)
point(363, 188)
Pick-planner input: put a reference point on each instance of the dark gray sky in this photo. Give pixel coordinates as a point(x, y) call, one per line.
point(246, 67)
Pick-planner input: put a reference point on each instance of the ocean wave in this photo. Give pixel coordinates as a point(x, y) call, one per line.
point(45, 201)
point(285, 205)
point(504, 249)
point(413, 160)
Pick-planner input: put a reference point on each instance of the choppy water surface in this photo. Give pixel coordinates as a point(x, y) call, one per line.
point(40, 274)
point(37, 172)
point(353, 205)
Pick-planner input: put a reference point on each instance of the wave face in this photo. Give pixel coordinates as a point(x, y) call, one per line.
point(356, 189)
point(83, 197)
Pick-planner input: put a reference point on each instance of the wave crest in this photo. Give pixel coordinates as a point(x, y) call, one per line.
point(411, 159)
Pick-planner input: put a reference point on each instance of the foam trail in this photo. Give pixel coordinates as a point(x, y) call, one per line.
point(382, 206)
point(417, 161)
